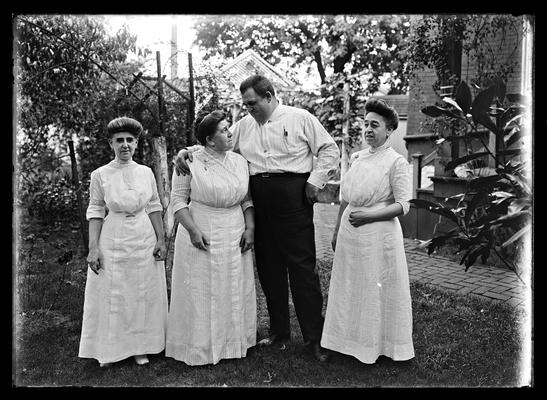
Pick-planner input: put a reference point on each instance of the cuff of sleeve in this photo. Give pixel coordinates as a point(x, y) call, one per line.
point(316, 180)
point(95, 212)
point(246, 204)
point(153, 209)
point(177, 207)
point(405, 205)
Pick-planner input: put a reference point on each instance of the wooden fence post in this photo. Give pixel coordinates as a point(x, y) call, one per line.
point(344, 159)
point(161, 171)
point(416, 173)
point(76, 183)
point(192, 102)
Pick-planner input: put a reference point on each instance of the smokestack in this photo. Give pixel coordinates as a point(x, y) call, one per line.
point(174, 50)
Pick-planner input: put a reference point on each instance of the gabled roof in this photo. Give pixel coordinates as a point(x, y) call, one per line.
point(249, 63)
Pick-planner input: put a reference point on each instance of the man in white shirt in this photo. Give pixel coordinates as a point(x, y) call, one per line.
point(280, 142)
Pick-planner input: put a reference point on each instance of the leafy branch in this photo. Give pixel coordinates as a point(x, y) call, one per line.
point(493, 215)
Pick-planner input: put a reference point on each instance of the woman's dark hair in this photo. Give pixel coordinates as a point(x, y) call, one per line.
point(260, 84)
point(124, 124)
point(207, 126)
point(380, 107)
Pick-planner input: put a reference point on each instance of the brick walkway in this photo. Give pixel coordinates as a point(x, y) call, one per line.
point(485, 281)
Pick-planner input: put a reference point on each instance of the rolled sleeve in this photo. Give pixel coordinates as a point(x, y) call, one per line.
point(400, 179)
point(97, 205)
point(154, 204)
point(323, 147)
point(247, 201)
point(180, 191)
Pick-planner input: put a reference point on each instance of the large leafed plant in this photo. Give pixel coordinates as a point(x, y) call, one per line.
point(494, 215)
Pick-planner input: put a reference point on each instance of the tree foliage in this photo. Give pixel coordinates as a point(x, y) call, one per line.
point(72, 76)
point(335, 43)
point(59, 76)
point(439, 41)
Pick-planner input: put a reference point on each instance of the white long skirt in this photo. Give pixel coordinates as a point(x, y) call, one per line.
point(125, 306)
point(212, 313)
point(369, 309)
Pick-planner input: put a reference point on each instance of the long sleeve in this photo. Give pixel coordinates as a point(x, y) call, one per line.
point(180, 191)
point(400, 180)
point(97, 205)
point(247, 201)
point(322, 146)
point(154, 204)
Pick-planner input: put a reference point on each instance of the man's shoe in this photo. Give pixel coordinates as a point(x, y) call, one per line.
point(320, 354)
point(141, 359)
point(105, 365)
point(271, 339)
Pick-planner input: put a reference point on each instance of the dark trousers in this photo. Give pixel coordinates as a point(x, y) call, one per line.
point(285, 247)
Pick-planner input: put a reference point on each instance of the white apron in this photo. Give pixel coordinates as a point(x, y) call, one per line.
point(369, 309)
point(212, 314)
point(125, 306)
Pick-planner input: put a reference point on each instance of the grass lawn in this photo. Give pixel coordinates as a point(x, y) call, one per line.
point(459, 341)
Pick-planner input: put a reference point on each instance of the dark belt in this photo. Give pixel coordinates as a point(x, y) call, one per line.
point(279, 175)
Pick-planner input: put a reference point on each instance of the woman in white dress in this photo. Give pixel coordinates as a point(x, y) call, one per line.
point(369, 309)
point(125, 306)
point(212, 312)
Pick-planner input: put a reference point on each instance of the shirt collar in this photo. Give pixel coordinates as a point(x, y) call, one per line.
point(379, 148)
point(277, 112)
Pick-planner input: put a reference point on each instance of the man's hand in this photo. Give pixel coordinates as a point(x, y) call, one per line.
point(312, 192)
point(181, 166)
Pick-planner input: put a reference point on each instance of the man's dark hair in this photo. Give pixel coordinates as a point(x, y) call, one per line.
point(380, 107)
point(260, 84)
point(207, 126)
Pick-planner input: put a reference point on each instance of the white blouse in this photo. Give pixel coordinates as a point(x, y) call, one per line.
point(220, 183)
point(120, 187)
point(377, 175)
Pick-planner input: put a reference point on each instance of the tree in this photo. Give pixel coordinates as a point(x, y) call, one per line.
point(61, 60)
point(69, 76)
point(439, 41)
point(340, 43)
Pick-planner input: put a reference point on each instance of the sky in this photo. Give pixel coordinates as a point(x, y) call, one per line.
point(154, 32)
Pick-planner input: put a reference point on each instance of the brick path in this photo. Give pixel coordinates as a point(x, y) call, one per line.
point(485, 281)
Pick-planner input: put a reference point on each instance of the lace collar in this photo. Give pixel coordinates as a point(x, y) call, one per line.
point(212, 154)
point(116, 164)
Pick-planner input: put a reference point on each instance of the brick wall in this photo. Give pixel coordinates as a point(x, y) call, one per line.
point(506, 49)
point(421, 92)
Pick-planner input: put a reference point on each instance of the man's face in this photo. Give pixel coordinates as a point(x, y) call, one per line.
point(258, 107)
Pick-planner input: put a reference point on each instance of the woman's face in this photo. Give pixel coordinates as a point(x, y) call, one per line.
point(376, 132)
point(124, 145)
point(222, 139)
